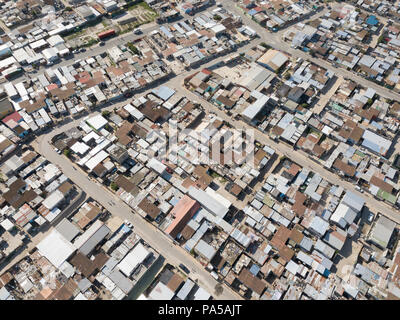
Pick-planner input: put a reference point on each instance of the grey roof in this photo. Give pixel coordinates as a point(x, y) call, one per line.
point(205, 250)
point(4, 294)
point(334, 241)
point(325, 249)
point(306, 243)
point(305, 258)
point(319, 225)
point(252, 110)
point(84, 284)
point(354, 201)
point(166, 276)
point(95, 239)
point(185, 290)
point(109, 265)
point(208, 202)
point(121, 281)
point(382, 231)
point(67, 229)
point(366, 274)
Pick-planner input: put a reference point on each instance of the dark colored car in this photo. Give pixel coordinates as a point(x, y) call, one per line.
point(184, 268)
point(102, 43)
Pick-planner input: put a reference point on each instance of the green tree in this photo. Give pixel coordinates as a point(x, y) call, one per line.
point(114, 186)
point(106, 113)
point(217, 17)
point(218, 289)
point(108, 128)
point(67, 152)
point(133, 49)
point(263, 44)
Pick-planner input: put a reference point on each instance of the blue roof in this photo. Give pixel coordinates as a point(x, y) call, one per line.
point(372, 146)
point(125, 229)
point(377, 125)
point(254, 269)
point(372, 20)
point(252, 12)
point(164, 30)
point(163, 92)
point(174, 201)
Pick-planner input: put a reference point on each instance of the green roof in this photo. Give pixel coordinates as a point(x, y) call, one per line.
point(359, 153)
point(386, 196)
point(336, 106)
point(269, 201)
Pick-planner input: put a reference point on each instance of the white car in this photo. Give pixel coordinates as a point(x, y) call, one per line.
point(128, 223)
point(214, 275)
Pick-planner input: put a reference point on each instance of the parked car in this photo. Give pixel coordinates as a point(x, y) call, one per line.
point(358, 188)
point(370, 217)
point(214, 275)
point(128, 223)
point(184, 268)
point(102, 43)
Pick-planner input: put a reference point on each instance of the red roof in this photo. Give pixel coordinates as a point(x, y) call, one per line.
point(84, 77)
point(183, 210)
point(13, 116)
point(106, 33)
point(206, 71)
point(52, 86)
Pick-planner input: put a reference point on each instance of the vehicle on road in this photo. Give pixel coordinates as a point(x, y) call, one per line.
point(128, 223)
point(358, 188)
point(184, 268)
point(137, 31)
point(82, 50)
point(214, 275)
point(102, 43)
point(370, 217)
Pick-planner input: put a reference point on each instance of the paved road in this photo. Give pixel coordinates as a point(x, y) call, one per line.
point(298, 157)
point(275, 41)
point(159, 241)
point(153, 236)
point(174, 254)
point(97, 49)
